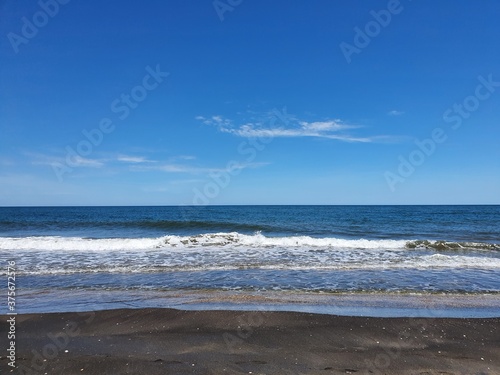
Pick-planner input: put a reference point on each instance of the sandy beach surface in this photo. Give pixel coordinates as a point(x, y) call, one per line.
point(169, 341)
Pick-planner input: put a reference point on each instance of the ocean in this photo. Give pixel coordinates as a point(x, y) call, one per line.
point(76, 258)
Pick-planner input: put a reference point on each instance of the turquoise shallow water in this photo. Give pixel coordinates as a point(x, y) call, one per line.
point(310, 249)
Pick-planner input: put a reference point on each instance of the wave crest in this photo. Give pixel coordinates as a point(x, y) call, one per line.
point(231, 239)
point(445, 245)
point(259, 240)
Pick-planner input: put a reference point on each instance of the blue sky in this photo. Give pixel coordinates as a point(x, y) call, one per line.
point(249, 102)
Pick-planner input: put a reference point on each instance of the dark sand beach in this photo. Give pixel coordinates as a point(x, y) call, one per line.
point(169, 341)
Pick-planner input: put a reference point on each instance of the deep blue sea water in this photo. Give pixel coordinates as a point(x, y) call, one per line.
point(328, 249)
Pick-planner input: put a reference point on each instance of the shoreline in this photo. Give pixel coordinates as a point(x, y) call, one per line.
point(159, 341)
point(382, 304)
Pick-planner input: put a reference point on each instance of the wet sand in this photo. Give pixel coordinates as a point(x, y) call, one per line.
point(169, 341)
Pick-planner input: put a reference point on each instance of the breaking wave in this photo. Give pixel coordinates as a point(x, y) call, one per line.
point(445, 245)
point(231, 239)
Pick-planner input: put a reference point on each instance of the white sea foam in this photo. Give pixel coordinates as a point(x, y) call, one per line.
point(231, 251)
point(454, 261)
point(259, 240)
point(52, 266)
point(54, 243)
point(51, 243)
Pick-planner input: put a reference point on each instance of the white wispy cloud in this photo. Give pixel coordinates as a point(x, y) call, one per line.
point(395, 113)
point(134, 159)
point(183, 157)
point(332, 125)
point(290, 127)
point(84, 162)
point(175, 168)
point(133, 162)
point(214, 120)
point(73, 161)
point(195, 170)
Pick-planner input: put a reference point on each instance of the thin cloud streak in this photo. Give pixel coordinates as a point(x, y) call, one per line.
point(76, 161)
point(179, 168)
point(395, 113)
point(329, 129)
point(134, 159)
